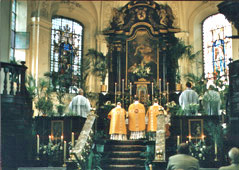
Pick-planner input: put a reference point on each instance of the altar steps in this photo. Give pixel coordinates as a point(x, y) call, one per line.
point(123, 155)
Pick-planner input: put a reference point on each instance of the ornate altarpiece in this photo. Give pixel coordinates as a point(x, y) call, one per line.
point(138, 38)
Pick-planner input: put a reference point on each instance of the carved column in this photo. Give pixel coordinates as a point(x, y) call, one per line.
point(160, 139)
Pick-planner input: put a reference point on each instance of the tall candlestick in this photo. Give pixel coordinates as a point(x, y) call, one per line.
point(64, 154)
point(178, 140)
point(115, 92)
point(38, 144)
point(72, 138)
point(160, 87)
point(215, 149)
point(167, 87)
point(122, 86)
point(152, 90)
point(130, 88)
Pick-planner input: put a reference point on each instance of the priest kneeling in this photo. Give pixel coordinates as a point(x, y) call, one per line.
point(137, 120)
point(117, 123)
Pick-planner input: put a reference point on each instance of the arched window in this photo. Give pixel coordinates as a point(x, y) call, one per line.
point(66, 53)
point(217, 49)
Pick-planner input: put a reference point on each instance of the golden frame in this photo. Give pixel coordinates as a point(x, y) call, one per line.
point(57, 127)
point(195, 128)
point(138, 32)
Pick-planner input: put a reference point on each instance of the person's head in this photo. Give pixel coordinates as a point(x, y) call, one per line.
point(211, 87)
point(188, 84)
point(183, 148)
point(234, 155)
point(80, 92)
point(136, 98)
point(118, 104)
point(156, 100)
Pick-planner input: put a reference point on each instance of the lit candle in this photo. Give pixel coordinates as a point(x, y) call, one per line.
point(130, 88)
point(190, 137)
point(115, 88)
point(72, 138)
point(62, 138)
point(203, 138)
point(122, 86)
point(152, 89)
point(167, 87)
point(49, 138)
point(38, 144)
point(64, 155)
point(215, 148)
point(178, 140)
point(160, 87)
point(186, 141)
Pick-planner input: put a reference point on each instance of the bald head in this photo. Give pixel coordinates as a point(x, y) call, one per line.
point(80, 92)
point(234, 155)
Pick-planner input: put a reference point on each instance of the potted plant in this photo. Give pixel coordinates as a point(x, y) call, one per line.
point(99, 66)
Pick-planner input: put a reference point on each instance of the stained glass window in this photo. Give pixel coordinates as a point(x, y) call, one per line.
point(66, 51)
point(217, 49)
point(13, 31)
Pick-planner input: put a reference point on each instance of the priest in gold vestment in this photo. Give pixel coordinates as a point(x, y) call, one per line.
point(152, 114)
point(137, 120)
point(117, 123)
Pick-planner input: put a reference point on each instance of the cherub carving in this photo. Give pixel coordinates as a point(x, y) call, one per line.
point(117, 17)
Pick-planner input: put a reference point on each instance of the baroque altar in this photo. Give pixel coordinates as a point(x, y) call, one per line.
point(139, 40)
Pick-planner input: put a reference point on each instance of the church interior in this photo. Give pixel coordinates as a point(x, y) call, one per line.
point(116, 51)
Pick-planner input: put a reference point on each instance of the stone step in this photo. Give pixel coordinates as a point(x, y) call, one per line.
point(125, 148)
point(124, 167)
point(123, 161)
point(123, 154)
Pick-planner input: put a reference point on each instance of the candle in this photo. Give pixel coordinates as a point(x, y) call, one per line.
point(62, 138)
point(160, 87)
point(49, 138)
point(122, 86)
point(38, 144)
point(167, 87)
point(150, 167)
point(64, 155)
point(215, 148)
point(178, 140)
point(190, 137)
point(72, 139)
point(186, 141)
point(115, 88)
point(130, 88)
point(203, 138)
point(152, 89)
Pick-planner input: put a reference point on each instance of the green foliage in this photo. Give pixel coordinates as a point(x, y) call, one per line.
point(31, 86)
point(99, 64)
point(215, 131)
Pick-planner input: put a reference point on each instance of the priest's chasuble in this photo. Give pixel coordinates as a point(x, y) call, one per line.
point(117, 122)
point(136, 117)
point(152, 114)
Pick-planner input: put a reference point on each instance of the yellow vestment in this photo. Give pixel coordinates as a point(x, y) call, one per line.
point(136, 117)
point(117, 122)
point(152, 114)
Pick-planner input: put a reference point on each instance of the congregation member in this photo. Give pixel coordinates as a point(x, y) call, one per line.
point(80, 105)
point(182, 160)
point(117, 123)
point(233, 155)
point(136, 119)
point(212, 101)
point(188, 97)
point(152, 114)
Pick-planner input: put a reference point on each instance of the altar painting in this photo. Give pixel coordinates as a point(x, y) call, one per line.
point(142, 57)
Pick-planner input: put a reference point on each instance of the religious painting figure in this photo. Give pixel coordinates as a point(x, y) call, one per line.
point(152, 114)
point(142, 57)
point(117, 123)
point(137, 120)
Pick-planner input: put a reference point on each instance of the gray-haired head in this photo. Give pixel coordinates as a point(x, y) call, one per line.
point(234, 155)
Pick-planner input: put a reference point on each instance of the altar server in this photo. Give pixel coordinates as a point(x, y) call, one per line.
point(137, 120)
point(117, 123)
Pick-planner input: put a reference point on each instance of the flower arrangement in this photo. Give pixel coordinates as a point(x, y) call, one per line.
point(171, 104)
point(141, 71)
point(192, 108)
point(199, 150)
